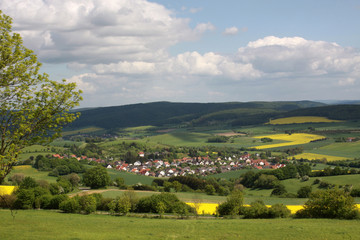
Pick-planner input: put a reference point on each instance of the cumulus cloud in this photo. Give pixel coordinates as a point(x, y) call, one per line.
point(231, 31)
point(98, 31)
point(122, 47)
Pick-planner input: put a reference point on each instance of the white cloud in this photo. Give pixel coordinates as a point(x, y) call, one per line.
point(231, 31)
point(346, 82)
point(121, 49)
point(82, 82)
point(94, 31)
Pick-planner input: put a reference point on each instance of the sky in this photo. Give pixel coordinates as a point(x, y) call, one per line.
point(137, 51)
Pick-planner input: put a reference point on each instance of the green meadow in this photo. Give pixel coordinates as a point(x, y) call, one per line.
point(42, 224)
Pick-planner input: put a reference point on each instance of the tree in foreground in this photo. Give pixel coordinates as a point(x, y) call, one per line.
point(96, 177)
point(332, 203)
point(33, 109)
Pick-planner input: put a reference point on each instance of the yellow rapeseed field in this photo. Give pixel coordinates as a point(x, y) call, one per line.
point(292, 139)
point(7, 190)
point(301, 119)
point(314, 156)
point(210, 208)
point(205, 208)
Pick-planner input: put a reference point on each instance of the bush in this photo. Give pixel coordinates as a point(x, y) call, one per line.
point(96, 177)
point(169, 202)
point(210, 190)
point(233, 205)
point(87, 204)
point(121, 205)
point(25, 199)
point(257, 209)
point(332, 203)
point(70, 205)
point(7, 201)
point(17, 178)
point(143, 187)
point(279, 190)
point(56, 200)
point(304, 192)
point(355, 192)
point(278, 210)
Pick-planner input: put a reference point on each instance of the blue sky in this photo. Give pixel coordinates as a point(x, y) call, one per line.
point(131, 51)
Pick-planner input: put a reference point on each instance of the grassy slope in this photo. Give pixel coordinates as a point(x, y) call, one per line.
point(27, 170)
point(53, 225)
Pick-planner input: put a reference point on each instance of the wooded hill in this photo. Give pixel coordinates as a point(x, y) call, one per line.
point(203, 114)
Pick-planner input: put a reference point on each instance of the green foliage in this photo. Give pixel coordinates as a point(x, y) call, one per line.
point(332, 203)
point(278, 190)
point(120, 182)
point(266, 181)
point(218, 139)
point(87, 204)
point(304, 192)
point(258, 209)
point(96, 177)
point(121, 205)
point(33, 108)
point(233, 205)
point(70, 205)
point(210, 190)
point(169, 204)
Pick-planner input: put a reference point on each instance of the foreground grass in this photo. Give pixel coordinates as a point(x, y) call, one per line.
point(39, 224)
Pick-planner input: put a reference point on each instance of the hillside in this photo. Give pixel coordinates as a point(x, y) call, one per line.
point(162, 113)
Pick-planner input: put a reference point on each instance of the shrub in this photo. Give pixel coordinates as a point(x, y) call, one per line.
point(7, 201)
point(257, 209)
point(233, 205)
point(25, 199)
point(121, 205)
point(279, 190)
point(87, 204)
point(210, 190)
point(143, 187)
point(355, 192)
point(169, 201)
point(332, 203)
point(70, 205)
point(28, 183)
point(56, 200)
point(304, 192)
point(96, 177)
point(17, 178)
point(278, 210)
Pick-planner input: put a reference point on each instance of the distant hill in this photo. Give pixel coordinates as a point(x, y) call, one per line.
point(164, 113)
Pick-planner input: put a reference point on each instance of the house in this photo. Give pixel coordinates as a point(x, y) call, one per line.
point(141, 154)
point(109, 166)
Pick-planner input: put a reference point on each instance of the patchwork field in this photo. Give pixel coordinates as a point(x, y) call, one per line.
point(291, 139)
point(301, 119)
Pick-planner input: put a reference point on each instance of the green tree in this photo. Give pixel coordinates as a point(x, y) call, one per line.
point(304, 192)
point(32, 108)
point(96, 177)
point(331, 203)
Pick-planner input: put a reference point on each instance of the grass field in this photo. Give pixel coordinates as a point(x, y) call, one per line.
point(81, 131)
point(301, 119)
point(346, 149)
point(27, 170)
point(39, 224)
point(130, 178)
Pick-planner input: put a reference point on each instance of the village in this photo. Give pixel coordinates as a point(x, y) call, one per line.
point(201, 166)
